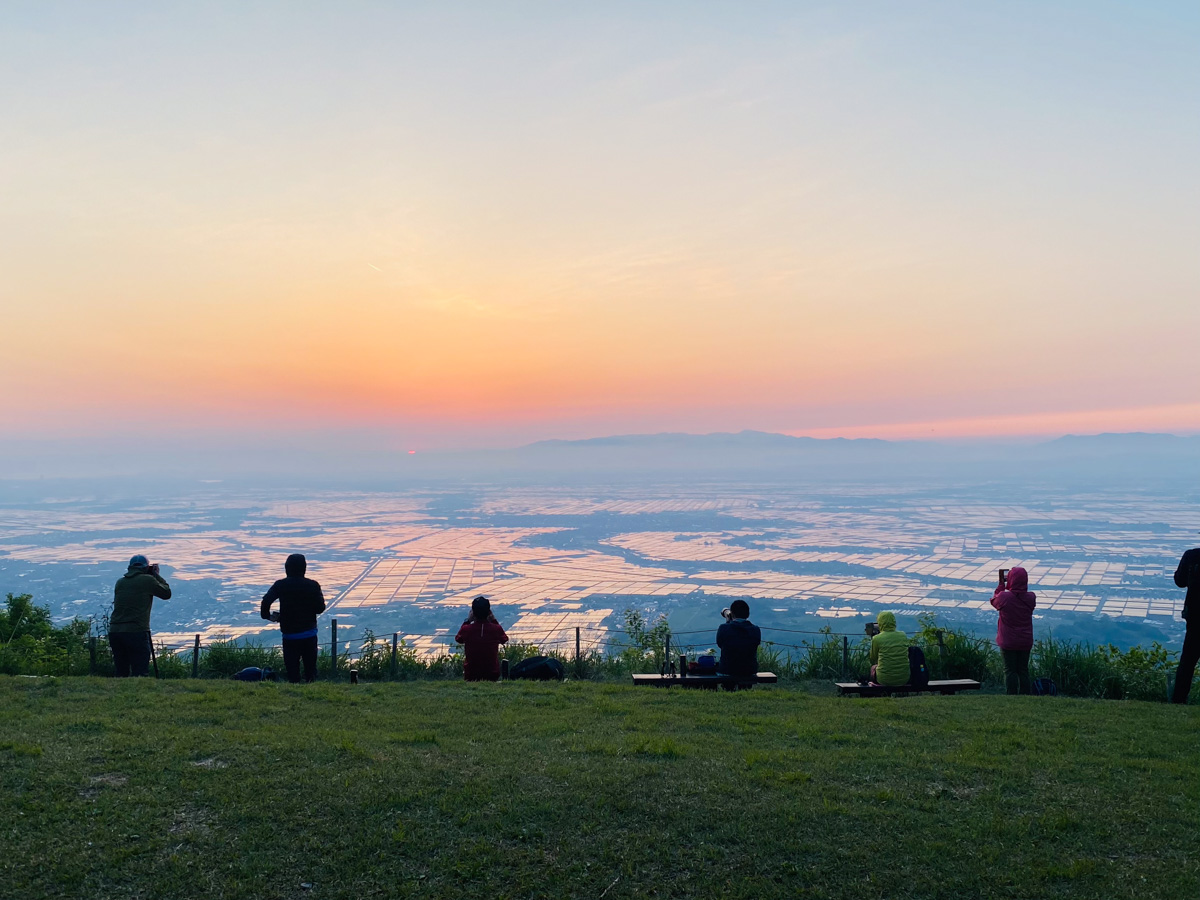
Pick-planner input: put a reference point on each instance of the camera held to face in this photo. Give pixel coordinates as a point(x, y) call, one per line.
point(872, 629)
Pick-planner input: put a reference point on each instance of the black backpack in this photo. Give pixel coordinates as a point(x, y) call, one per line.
point(1045, 687)
point(918, 672)
point(539, 668)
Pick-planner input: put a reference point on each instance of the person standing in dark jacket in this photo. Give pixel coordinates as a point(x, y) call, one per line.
point(129, 624)
point(1188, 576)
point(300, 602)
point(738, 639)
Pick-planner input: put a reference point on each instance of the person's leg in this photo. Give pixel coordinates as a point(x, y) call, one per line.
point(309, 654)
point(1024, 683)
point(139, 654)
point(120, 656)
point(291, 660)
point(1012, 682)
point(1187, 663)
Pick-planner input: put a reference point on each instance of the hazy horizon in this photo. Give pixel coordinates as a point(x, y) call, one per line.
point(338, 457)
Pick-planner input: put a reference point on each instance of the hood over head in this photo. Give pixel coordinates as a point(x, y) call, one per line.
point(1018, 579)
point(296, 565)
point(887, 621)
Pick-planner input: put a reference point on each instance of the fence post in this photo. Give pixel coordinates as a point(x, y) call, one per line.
point(196, 658)
point(395, 644)
point(578, 655)
point(92, 654)
point(667, 656)
point(333, 648)
point(845, 656)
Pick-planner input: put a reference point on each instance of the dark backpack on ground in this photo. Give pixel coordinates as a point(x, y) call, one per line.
point(918, 672)
point(253, 673)
point(539, 668)
point(1045, 687)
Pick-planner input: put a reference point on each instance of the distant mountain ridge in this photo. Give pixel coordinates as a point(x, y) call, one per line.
point(747, 454)
point(746, 438)
point(1110, 441)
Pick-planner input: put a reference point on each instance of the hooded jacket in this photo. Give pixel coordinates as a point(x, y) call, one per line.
point(1014, 630)
point(132, 598)
point(300, 600)
point(481, 649)
point(889, 652)
point(1188, 576)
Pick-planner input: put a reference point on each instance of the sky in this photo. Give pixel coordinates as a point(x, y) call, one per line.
point(455, 225)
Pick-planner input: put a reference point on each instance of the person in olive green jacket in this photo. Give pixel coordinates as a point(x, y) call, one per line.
point(889, 653)
point(129, 624)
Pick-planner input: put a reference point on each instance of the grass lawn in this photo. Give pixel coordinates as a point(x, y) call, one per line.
point(215, 789)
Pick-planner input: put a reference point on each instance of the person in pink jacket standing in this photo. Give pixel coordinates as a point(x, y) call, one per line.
point(1014, 631)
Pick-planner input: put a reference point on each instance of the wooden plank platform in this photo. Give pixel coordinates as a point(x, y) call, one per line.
point(712, 682)
point(952, 686)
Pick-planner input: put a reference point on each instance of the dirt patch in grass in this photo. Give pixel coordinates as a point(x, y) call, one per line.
point(98, 783)
point(191, 820)
point(211, 763)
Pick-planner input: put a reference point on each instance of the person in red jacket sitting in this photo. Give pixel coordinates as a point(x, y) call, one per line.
point(1014, 631)
point(481, 637)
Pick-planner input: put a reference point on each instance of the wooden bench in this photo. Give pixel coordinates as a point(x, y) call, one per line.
point(952, 686)
point(711, 682)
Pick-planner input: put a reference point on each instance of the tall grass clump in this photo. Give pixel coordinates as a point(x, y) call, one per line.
point(1105, 672)
point(224, 659)
point(952, 654)
point(824, 658)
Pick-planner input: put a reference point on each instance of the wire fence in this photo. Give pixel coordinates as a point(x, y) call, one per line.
point(603, 653)
point(586, 651)
point(589, 636)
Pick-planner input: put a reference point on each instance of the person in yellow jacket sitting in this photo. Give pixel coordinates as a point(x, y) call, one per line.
point(889, 653)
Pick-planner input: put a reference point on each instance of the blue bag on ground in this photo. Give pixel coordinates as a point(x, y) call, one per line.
point(1045, 687)
point(539, 668)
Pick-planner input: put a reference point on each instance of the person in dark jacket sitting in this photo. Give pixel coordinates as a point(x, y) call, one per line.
point(738, 639)
point(300, 602)
point(1187, 575)
point(481, 637)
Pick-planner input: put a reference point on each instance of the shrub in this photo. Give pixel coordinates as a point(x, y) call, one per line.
point(1104, 672)
point(31, 644)
point(1143, 673)
point(645, 648)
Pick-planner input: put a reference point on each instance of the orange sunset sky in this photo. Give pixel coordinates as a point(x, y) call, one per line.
point(482, 225)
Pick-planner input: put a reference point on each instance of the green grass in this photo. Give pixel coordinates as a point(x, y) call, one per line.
point(136, 788)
